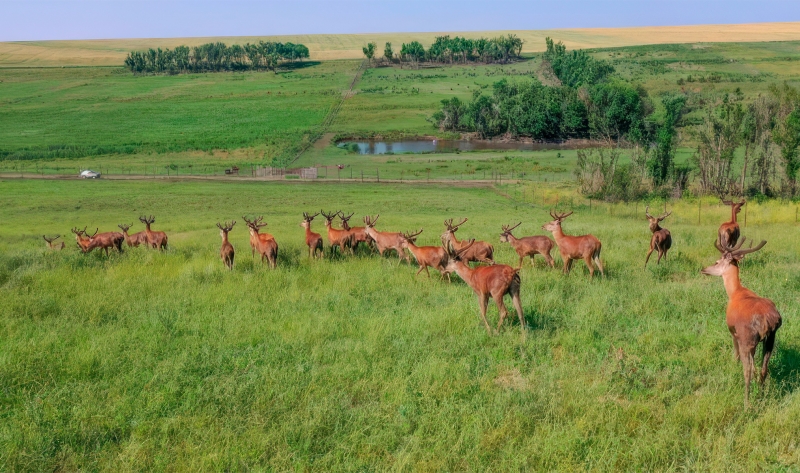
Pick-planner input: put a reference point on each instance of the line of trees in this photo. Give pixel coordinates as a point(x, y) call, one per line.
point(215, 57)
point(447, 50)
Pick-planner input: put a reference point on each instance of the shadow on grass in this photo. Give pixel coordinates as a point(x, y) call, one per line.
point(291, 66)
point(785, 368)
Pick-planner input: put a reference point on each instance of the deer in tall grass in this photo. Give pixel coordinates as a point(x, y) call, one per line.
point(154, 239)
point(493, 281)
point(479, 251)
point(661, 239)
point(528, 246)
point(359, 234)
point(386, 240)
point(133, 240)
point(104, 240)
point(337, 238)
point(434, 256)
point(313, 240)
point(585, 247)
point(264, 243)
point(226, 250)
point(751, 319)
point(54, 246)
point(729, 231)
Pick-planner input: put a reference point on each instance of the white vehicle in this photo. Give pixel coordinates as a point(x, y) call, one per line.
point(89, 174)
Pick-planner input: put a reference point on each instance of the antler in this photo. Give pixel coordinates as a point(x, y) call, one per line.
point(344, 219)
point(309, 218)
point(735, 250)
point(246, 220)
point(410, 236)
point(560, 216)
point(93, 234)
point(647, 212)
point(509, 228)
point(79, 232)
point(449, 224)
point(147, 221)
point(330, 215)
point(228, 226)
point(124, 227)
point(662, 217)
point(52, 239)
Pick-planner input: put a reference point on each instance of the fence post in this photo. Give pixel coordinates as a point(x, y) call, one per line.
point(362, 176)
point(699, 204)
point(745, 214)
point(378, 173)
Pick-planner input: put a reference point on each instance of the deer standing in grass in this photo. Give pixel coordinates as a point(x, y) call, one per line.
point(337, 237)
point(493, 281)
point(479, 251)
point(226, 251)
point(751, 319)
point(133, 240)
point(313, 240)
point(528, 246)
point(263, 242)
point(386, 240)
point(661, 239)
point(54, 246)
point(154, 239)
point(729, 231)
point(434, 256)
point(104, 241)
point(359, 233)
point(585, 247)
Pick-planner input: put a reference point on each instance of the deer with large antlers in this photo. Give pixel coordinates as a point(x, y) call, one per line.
point(479, 251)
point(528, 246)
point(493, 281)
point(103, 241)
point(313, 240)
point(729, 231)
point(359, 234)
point(133, 240)
point(337, 237)
point(751, 319)
point(263, 242)
point(154, 239)
point(226, 251)
point(585, 247)
point(661, 239)
point(386, 240)
point(53, 246)
point(434, 256)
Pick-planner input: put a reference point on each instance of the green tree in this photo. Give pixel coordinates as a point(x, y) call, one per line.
point(665, 140)
point(369, 50)
point(387, 52)
point(787, 136)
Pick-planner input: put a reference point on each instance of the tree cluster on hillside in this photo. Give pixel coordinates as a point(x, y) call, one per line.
point(215, 57)
point(449, 50)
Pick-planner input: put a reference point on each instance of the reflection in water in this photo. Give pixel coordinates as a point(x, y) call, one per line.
point(449, 146)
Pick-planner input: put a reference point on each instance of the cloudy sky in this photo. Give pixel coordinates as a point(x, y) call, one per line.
point(22, 20)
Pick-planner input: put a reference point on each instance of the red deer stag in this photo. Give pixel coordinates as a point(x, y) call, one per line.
point(133, 240)
point(586, 247)
point(751, 319)
point(386, 240)
point(313, 240)
point(53, 246)
point(661, 239)
point(154, 239)
point(337, 238)
point(103, 241)
point(479, 251)
point(729, 231)
point(434, 256)
point(359, 233)
point(528, 246)
point(496, 281)
point(226, 251)
point(263, 242)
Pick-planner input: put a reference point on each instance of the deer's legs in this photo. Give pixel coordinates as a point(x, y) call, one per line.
point(501, 308)
point(588, 260)
point(567, 264)
point(745, 354)
point(515, 299)
point(769, 344)
point(735, 348)
point(522, 259)
point(648, 256)
point(549, 259)
point(483, 299)
point(599, 265)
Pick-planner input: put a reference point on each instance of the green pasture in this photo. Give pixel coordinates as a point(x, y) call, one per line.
point(165, 361)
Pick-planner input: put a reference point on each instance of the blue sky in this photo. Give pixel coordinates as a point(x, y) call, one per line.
point(22, 20)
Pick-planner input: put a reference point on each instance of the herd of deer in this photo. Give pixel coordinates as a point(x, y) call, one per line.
point(752, 320)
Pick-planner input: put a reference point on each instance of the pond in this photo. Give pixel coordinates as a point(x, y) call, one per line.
point(449, 146)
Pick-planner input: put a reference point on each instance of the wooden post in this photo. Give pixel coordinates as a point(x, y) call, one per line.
point(378, 173)
point(699, 204)
point(362, 176)
point(745, 214)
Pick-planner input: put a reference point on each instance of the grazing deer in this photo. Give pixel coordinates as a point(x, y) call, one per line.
point(479, 251)
point(154, 239)
point(386, 240)
point(103, 241)
point(337, 237)
point(661, 239)
point(133, 240)
point(53, 246)
point(729, 231)
point(359, 233)
point(434, 256)
point(263, 242)
point(226, 251)
point(496, 281)
point(586, 247)
point(751, 319)
point(528, 246)
point(313, 240)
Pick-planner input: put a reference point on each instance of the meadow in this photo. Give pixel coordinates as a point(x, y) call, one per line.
point(166, 361)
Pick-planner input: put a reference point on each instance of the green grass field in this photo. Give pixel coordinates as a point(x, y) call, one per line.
point(166, 361)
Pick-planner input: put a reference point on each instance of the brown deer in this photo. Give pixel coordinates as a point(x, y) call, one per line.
point(313, 240)
point(226, 251)
point(751, 319)
point(434, 256)
point(263, 242)
point(480, 251)
point(586, 247)
point(54, 246)
point(103, 241)
point(359, 233)
point(528, 246)
point(661, 239)
point(496, 281)
point(154, 239)
point(386, 240)
point(729, 231)
point(337, 237)
point(133, 240)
